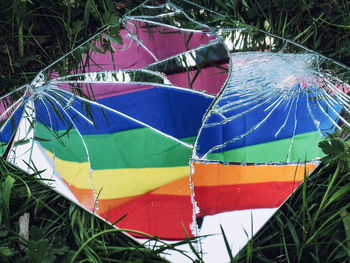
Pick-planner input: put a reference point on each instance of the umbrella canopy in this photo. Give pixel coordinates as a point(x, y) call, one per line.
point(177, 123)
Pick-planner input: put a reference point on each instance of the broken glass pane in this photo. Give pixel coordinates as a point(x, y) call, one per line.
point(178, 123)
point(11, 110)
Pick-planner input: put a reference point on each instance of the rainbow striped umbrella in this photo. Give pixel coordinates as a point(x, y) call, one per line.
point(176, 123)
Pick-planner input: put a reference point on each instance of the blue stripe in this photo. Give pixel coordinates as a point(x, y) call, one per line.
point(217, 135)
point(175, 112)
point(11, 126)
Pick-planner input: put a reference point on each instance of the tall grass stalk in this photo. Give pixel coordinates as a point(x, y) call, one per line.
point(313, 225)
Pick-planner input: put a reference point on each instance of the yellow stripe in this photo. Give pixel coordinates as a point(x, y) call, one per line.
point(118, 183)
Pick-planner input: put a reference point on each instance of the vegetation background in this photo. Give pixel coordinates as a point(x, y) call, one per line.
point(311, 227)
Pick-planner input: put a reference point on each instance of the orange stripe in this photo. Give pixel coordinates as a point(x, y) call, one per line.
point(87, 199)
point(178, 187)
point(84, 196)
point(214, 174)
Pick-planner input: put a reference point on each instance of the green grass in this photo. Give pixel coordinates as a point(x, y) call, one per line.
point(60, 231)
point(33, 33)
point(312, 226)
point(321, 25)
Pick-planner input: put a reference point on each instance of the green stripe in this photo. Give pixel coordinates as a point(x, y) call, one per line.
point(305, 147)
point(137, 148)
point(2, 149)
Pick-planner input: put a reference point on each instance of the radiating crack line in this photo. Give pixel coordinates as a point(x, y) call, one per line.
point(135, 8)
point(8, 158)
point(334, 88)
point(316, 122)
point(240, 137)
point(243, 102)
point(242, 105)
point(170, 86)
point(240, 114)
point(333, 101)
point(340, 95)
point(337, 114)
point(12, 106)
point(326, 114)
point(86, 150)
point(278, 101)
point(144, 5)
point(211, 43)
point(190, 146)
point(285, 121)
point(295, 127)
point(165, 25)
point(52, 136)
point(33, 122)
point(132, 35)
point(111, 72)
point(145, 17)
point(72, 107)
point(10, 117)
point(15, 90)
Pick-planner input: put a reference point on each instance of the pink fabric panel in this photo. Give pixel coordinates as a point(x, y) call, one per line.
point(129, 55)
point(101, 91)
point(210, 79)
point(165, 42)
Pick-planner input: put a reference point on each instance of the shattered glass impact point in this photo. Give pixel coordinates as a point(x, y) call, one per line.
point(181, 123)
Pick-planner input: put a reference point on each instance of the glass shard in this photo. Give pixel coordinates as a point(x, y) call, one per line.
point(178, 123)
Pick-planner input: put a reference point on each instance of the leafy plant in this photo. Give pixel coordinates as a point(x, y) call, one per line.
point(313, 225)
point(34, 33)
point(320, 25)
point(59, 230)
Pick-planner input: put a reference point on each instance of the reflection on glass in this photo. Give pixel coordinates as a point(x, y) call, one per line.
point(179, 124)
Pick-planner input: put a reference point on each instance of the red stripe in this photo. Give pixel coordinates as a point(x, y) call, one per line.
point(161, 215)
point(213, 200)
point(157, 215)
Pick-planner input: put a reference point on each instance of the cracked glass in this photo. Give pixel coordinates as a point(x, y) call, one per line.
point(181, 125)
